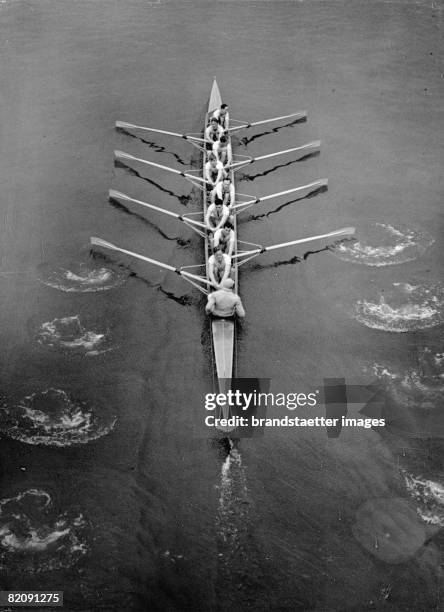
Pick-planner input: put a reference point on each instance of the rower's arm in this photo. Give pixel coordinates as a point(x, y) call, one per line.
point(231, 245)
point(211, 273)
point(216, 239)
point(240, 311)
point(227, 269)
point(222, 221)
point(229, 155)
point(207, 218)
point(210, 304)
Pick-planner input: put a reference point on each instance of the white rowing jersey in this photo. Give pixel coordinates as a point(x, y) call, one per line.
point(219, 270)
point(220, 193)
point(212, 135)
point(225, 241)
point(214, 174)
point(223, 153)
point(213, 218)
point(224, 120)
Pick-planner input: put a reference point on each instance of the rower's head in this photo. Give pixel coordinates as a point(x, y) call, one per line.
point(224, 109)
point(226, 182)
point(228, 283)
point(218, 254)
point(227, 227)
point(214, 122)
point(212, 159)
point(223, 139)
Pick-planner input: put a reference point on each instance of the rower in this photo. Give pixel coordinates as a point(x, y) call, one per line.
point(223, 152)
point(224, 303)
point(219, 267)
point(214, 171)
point(225, 238)
point(217, 215)
point(213, 132)
point(222, 116)
point(224, 191)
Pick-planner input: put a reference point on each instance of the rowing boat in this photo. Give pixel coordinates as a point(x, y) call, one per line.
point(223, 330)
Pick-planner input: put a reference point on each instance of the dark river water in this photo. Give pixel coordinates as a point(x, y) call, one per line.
point(112, 489)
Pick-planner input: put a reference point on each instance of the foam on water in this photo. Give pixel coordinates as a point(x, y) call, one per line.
point(52, 418)
point(34, 538)
point(234, 504)
point(382, 244)
point(420, 386)
point(82, 278)
point(429, 495)
point(68, 334)
point(403, 308)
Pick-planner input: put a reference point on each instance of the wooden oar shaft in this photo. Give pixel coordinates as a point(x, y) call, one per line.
point(346, 231)
point(123, 155)
point(315, 185)
point(299, 115)
point(122, 196)
point(132, 126)
point(310, 145)
point(123, 124)
point(112, 247)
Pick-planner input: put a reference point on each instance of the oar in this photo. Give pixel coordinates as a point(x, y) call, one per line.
point(131, 126)
point(122, 155)
point(315, 185)
point(302, 149)
point(345, 231)
point(112, 247)
point(118, 195)
point(300, 115)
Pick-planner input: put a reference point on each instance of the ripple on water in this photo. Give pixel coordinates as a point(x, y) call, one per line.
point(382, 244)
point(34, 538)
point(52, 418)
point(403, 308)
point(68, 334)
point(82, 277)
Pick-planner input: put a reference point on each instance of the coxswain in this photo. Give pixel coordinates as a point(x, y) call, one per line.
point(223, 152)
point(214, 171)
point(213, 132)
point(217, 215)
point(225, 238)
point(224, 191)
point(222, 116)
point(219, 267)
point(224, 302)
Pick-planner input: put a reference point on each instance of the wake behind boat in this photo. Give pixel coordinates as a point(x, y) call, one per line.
point(221, 205)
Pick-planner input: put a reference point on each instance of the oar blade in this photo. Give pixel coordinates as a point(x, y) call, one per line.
point(102, 243)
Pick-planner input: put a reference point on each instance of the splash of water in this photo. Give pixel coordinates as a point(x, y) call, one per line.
point(383, 244)
point(68, 333)
point(52, 418)
point(33, 538)
point(404, 308)
point(430, 498)
point(82, 278)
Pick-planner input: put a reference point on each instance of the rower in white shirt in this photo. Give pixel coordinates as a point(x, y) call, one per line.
point(219, 267)
point(225, 238)
point(213, 132)
point(222, 116)
point(214, 171)
point(224, 191)
point(222, 150)
point(217, 215)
